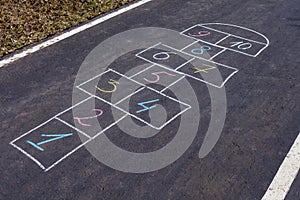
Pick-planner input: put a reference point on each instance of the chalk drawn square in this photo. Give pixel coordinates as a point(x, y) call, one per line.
point(150, 102)
point(243, 45)
point(157, 77)
point(164, 55)
point(50, 143)
point(204, 34)
point(110, 86)
point(91, 116)
point(203, 50)
point(211, 73)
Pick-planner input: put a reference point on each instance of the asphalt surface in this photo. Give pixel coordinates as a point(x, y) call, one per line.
point(262, 121)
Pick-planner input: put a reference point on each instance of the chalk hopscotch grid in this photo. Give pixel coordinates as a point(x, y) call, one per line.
point(143, 87)
point(194, 57)
point(89, 138)
point(36, 160)
point(42, 124)
point(227, 35)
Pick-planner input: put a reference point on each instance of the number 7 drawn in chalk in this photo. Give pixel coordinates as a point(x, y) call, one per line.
point(198, 70)
point(55, 137)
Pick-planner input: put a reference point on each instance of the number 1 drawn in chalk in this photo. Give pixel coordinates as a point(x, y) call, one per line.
point(198, 70)
point(146, 107)
point(111, 82)
point(55, 137)
point(86, 118)
point(156, 74)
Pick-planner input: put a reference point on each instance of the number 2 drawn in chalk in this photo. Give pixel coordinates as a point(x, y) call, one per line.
point(156, 74)
point(198, 70)
point(241, 45)
point(111, 82)
point(200, 34)
point(86, 118)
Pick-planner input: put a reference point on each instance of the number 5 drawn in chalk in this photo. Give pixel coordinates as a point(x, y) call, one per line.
point(156, 74)
point(200, 34)
point(111, 82)
point(86, 118)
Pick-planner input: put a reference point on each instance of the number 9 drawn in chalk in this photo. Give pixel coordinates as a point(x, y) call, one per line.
point(200, 34)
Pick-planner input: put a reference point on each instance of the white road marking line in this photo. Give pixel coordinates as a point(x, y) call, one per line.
point(70, 33)
point(286, 174)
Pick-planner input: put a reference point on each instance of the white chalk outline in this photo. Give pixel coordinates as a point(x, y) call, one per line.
point(141, 71)
point(217, 46)
point(228, 35)
point(89, 140)
point(176, 70)
point(286, 174)
point(219, 53)
point(71, 126)
point(70, 33)
point(35, 159)
point(222, 39)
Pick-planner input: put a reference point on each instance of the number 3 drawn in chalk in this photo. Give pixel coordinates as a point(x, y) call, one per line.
point(200, 34)
point(156, 74)
point(86, 118)
point(111, 82)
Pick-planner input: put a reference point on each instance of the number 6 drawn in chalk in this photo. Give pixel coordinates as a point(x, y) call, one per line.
point(156, 74)
point(111, 82)
point(165, 54)
point(200, 34)
point(86, 118)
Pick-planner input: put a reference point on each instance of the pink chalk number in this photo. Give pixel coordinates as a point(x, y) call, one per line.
point(200, 34)
point(157, 77)
point(87, 118)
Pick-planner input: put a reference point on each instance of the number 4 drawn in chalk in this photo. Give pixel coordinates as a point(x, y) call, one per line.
point(54, 137)
point(146, 107)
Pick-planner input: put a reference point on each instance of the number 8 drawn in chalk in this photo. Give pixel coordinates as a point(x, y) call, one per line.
point(201, 50)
